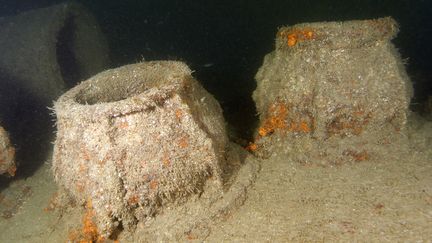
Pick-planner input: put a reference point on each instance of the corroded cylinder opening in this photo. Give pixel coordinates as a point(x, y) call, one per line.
point(142, 135)
point(124, 83)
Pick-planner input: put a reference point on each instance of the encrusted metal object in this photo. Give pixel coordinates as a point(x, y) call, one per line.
point(332, 92)
point(135, 138)
point(7, 154)
point(46, 50)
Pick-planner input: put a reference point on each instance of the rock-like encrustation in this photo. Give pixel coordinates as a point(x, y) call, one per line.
point(134, 138)
point(332, 92)
point(7, 154)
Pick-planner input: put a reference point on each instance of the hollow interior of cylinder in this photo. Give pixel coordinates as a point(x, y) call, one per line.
point(122, 83)
point(66, 58)
point(105, 93)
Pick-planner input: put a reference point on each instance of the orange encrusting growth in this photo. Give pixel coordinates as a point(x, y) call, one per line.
point(133, 200)
point(278, 113)
point(183, 143)
point(89, 232)
point(166, 162)
point(251, 147)
point(179, 114)
point(153, 184)
point(293, 36)
point(304, 127)
point(277, 119)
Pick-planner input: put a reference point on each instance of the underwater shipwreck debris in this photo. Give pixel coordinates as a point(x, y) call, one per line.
point(332, 92)
point(7, 154)
point(136, 138)
point(46, 50)
point(43, 52)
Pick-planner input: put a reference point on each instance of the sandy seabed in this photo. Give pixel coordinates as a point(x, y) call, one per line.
point(380, 200)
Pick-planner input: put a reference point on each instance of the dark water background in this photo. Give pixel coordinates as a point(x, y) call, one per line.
point(225, 41)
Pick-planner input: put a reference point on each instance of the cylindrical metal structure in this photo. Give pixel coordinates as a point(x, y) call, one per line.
point(134, 138)
point(332, 92)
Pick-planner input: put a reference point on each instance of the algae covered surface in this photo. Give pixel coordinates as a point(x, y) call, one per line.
point(386, 200)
